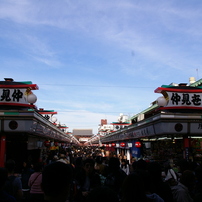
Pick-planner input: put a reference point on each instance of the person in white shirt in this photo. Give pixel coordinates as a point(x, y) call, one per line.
point(125, 166)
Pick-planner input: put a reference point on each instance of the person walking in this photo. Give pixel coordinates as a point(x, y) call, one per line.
point(13, 185)
point(158, 185)
point(86, 180)
point(115, 176)
point(4, 196)
point(56, 182)
point(182, 190)
point(36, 193)
point(26, 172)
point(125, 166)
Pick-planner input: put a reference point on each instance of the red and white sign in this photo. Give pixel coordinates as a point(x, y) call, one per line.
point(122, 144)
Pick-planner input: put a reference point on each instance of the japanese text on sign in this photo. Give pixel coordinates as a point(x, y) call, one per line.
point(184, 99)
point(12, 95)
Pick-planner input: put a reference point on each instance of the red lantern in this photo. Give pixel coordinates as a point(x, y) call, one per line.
point(113, 144)
point(138, 144)
point(123, 144)
point(107, 145)
point(46, 143)
point(56, 144)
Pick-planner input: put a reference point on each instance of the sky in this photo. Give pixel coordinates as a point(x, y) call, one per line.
point(95, 59)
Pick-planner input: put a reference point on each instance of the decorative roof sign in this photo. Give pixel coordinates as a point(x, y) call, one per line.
point(17, 93)
point(48, 115)
point(179, 97)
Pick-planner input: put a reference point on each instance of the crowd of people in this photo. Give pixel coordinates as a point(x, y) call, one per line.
point(87, 176)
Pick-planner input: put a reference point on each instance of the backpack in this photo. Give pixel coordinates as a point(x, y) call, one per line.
point(8, 187)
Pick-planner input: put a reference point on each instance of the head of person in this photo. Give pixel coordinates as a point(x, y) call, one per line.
point(56, 181)
point(55, 158)
point(62, 156)
point(99, 159)
point(155, 171)
point(114, 163)
point(141, 164)
point(88, 165)
point(123, 161)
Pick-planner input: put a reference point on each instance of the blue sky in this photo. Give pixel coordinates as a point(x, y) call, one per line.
point(95, 59)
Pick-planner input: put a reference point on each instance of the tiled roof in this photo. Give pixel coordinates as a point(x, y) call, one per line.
point(197, 83)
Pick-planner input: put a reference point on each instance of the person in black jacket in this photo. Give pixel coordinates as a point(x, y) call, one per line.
point(86, 180)
point(158, 185)
point(56, 182)
point(13, 184)
point(4, 196)
point(115, 176)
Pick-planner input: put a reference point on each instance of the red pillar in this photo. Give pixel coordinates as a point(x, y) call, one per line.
point(2, 150)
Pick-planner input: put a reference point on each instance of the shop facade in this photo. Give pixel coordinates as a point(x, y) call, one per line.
point(24, 131)
point(170, 128)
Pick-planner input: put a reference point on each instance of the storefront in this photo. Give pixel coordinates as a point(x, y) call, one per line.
point(170, 128)
point(23, 130)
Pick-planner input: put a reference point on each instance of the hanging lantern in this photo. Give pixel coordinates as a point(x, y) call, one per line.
point(31, 98)
point(107, 145)
point(123, 144)
point(113, 144)
point(53, 119)
point(138, 144)
point(47, 143)
point(161, 101)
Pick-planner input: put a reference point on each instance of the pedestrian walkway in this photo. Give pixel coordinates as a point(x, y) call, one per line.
point(86, 176)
